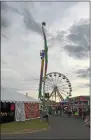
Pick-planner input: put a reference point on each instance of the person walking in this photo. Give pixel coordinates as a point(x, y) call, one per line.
point(60, 110)
point(69, 111)
point(76, 114)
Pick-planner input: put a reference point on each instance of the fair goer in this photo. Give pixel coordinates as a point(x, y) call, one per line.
point(76, 114)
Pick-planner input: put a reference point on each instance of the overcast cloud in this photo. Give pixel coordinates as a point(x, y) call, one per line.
point(78, 40)
point(83, 73)
point(67, 32)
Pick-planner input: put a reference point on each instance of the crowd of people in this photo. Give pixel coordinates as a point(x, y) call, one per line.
point(71, 111)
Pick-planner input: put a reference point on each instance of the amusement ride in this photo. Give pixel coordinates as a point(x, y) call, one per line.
point(52, 85)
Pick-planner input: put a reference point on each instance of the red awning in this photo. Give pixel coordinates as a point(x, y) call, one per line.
point(82, 98)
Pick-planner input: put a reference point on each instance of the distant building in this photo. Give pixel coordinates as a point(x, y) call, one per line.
point(80, 101)
point(80, 98)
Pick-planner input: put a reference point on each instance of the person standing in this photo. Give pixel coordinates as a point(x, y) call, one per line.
point(88, 112)
point(41, 115)
point(80, 112)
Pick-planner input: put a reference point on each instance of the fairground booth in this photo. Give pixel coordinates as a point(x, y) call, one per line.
point(15, 106)
point(80, 101)
point(65, 102)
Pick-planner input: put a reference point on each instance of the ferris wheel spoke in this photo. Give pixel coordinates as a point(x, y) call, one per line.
point(63, 94)
point(64, 88)
point(63, 85)
point(60, 95)
point(50, 81)
point(60, 88)
point(65, 91)
point(53, 80)
point(60, 80)
point(48, 84)
point(48, 88)
point(67, 83)
point(60, 91)
point(51, 94)
point(48, 91)
point(57, 79)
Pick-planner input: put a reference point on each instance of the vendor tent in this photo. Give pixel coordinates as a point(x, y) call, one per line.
point(21, 102)
point(8, 95)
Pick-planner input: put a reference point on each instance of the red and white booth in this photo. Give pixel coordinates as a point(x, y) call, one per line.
point(25, 107)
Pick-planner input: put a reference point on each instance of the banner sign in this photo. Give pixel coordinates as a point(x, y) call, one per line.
point(31, 110)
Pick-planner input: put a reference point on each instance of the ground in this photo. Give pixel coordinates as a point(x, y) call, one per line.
point(22, 127)
point(61, 128)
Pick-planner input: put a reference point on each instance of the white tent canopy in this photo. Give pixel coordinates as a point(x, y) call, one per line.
point(8, 95)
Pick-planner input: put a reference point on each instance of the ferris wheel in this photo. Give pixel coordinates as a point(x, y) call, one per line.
point(57, 85)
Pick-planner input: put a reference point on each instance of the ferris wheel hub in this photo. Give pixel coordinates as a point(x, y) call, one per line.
point(55, 88)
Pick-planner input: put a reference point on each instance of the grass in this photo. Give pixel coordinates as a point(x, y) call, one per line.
point(26, 126)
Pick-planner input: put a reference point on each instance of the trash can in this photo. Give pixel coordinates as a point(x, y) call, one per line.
point(45, 118)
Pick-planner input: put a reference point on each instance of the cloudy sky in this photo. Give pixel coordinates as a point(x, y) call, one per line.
point(67, 30)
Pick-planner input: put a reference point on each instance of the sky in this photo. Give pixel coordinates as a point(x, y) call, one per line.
point(67, 31)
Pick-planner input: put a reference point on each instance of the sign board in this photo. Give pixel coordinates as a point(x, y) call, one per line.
point(31, 110)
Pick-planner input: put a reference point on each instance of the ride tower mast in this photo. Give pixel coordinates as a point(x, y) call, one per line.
point(44, 65)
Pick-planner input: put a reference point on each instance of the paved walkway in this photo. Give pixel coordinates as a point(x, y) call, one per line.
point(61, 128)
